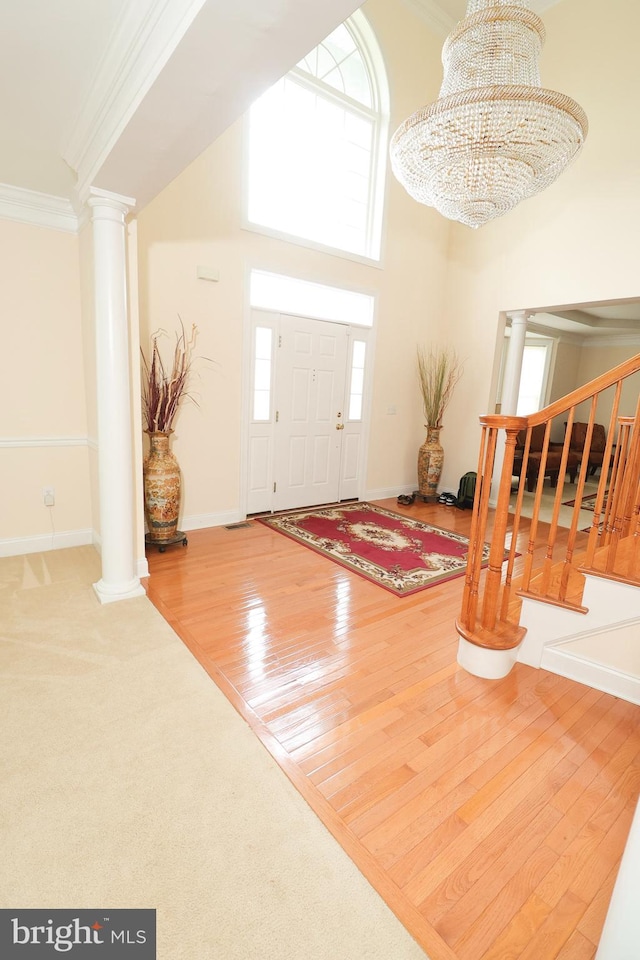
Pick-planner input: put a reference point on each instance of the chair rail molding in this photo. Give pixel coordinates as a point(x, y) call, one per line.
point(15, 442)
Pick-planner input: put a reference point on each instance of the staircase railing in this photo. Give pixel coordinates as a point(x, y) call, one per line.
point(556, 546)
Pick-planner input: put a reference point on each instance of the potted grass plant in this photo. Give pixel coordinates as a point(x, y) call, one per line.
point(164, 388)
point(439, 370)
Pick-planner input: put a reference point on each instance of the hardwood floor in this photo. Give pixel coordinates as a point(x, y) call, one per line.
point(490, 815)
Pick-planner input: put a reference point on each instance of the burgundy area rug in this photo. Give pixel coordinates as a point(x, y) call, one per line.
point(588, 502)
point(396, 552)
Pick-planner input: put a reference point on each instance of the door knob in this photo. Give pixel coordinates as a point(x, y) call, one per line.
point(339, 426)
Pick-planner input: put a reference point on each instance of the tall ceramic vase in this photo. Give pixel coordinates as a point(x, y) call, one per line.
point(161, 489)
point(430, 459)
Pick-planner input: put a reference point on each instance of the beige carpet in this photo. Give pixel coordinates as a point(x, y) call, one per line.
point(128, 780)
point(547, 504)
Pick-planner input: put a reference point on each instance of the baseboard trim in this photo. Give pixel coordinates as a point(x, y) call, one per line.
point(383, 493)
point(202, 520)
point(58, 541)
point(599, 676)
point(45, 542)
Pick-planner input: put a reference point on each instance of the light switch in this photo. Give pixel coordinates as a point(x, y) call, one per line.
point(207, 273)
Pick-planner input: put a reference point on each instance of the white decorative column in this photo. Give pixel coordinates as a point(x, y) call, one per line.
point(510, 385)
point(513, 366)
point(115, 446)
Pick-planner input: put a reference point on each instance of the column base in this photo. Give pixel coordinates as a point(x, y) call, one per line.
point(484, 662)
point(111, 592)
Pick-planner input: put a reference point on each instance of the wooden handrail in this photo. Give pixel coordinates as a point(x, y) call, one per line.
point(552, 568)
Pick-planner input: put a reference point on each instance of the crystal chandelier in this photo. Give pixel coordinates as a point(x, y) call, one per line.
point(494, 136)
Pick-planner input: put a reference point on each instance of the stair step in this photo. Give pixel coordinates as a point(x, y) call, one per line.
point(624, 564)
point(606, 659)
point(573, 589)
point(625, 569)
point(503, 636)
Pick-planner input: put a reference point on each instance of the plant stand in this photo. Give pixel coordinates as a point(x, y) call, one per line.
point(162, 545)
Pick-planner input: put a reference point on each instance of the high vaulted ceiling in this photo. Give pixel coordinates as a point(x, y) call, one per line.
point(122, 94)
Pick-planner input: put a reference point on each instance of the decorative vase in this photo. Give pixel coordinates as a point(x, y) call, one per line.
point(161, 489)
point(430, 460)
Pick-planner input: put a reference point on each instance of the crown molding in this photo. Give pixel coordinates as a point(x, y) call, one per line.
point(144, 39)
point(40, 209)
point(584, 339)
point(433, 15)
point(628, 340)
point(443, 23)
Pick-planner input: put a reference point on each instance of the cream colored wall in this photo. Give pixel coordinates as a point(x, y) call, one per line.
point(197, 220)
point(566, 375)
point(597, 359)
point(574, 243)
point(43, 425)
point(565, 379)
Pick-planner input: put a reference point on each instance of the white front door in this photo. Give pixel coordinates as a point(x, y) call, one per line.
point(306, 426)
point(310, 414)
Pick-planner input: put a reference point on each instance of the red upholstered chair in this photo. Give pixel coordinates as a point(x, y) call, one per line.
point(552, 464)
point(595, 453)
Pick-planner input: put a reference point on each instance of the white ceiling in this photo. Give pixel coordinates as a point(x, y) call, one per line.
point(50, 51)
point(618, 321)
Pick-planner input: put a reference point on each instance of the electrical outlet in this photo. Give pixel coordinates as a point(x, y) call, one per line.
point(49, 496)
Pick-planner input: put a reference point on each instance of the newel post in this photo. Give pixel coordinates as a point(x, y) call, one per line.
point(488, 649)
point(496, 556)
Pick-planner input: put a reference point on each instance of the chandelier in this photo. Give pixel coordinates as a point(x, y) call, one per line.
point(494, 136)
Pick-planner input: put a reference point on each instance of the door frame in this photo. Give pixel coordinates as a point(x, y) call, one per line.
point(357, 331)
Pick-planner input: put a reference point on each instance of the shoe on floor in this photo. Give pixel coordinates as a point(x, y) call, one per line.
point(406, 499)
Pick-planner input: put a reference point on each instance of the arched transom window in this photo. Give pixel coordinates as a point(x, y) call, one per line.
point(317, 146)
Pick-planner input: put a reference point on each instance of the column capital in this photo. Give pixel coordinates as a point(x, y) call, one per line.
point(519, 316)
point(107, 201)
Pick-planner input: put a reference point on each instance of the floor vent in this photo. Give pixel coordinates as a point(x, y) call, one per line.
point(237, 526)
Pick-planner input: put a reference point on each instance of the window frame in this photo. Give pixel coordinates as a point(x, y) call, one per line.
point(367, 43)
point(548, 344)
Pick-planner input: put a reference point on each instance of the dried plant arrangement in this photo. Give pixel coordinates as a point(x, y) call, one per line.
point(439, 370)
point(163, 389)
